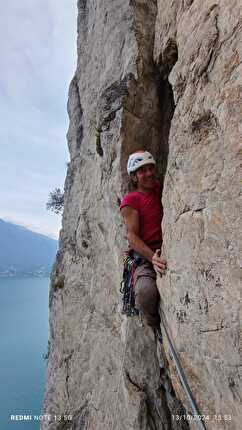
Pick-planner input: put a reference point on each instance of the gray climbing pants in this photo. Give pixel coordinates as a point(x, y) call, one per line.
point(146, 293)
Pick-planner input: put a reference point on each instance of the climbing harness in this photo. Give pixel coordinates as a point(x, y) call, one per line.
point(130, 262)
point(195, 411)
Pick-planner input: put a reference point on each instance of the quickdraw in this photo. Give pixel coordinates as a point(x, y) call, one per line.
point(127, 285)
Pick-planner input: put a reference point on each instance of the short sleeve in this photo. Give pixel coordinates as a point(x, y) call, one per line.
point(132, 200)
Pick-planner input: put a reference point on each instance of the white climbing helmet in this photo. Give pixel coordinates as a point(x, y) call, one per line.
point(139, 159)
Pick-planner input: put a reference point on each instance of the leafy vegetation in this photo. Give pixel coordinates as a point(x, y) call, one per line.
point(56, 201)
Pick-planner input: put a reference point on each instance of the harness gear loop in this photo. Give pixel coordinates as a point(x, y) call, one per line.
point(127, 284)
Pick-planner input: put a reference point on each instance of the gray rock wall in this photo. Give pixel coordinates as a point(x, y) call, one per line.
point(201, 294)
point(164, 76)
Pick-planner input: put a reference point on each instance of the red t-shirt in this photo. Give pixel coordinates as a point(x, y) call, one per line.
point(150, 212)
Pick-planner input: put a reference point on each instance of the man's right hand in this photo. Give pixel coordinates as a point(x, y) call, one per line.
point(159, 263)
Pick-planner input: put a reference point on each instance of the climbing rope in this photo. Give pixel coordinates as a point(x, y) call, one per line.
point(183, 379)
point(128, 299)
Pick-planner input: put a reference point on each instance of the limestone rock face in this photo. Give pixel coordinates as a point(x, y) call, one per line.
point(201, 294)
point(167, 77)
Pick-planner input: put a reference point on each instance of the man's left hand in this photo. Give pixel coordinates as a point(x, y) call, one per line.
point(159, 263)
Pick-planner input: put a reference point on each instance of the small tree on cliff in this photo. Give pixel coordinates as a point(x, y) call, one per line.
point(56, 201)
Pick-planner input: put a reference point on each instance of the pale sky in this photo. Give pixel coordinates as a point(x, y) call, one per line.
point(37, 63)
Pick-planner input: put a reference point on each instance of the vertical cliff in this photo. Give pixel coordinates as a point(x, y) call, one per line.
point(201, 296)
point(165, 76)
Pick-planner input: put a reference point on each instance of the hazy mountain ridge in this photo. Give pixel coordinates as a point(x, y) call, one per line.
point(24, 252)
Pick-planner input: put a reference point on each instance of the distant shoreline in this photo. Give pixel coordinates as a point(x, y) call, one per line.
point(24, 275)
point(25, 254)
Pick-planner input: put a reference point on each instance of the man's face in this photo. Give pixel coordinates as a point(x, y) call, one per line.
point(145, 176)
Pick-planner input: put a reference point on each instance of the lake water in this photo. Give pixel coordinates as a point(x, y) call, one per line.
point(24, 339)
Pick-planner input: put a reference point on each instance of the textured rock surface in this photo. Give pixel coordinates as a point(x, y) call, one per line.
point(138, 64)
point(202, 199)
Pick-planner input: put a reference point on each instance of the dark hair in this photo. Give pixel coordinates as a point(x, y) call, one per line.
point(132, 186)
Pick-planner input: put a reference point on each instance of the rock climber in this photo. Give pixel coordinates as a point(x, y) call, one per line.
point(142, 213)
